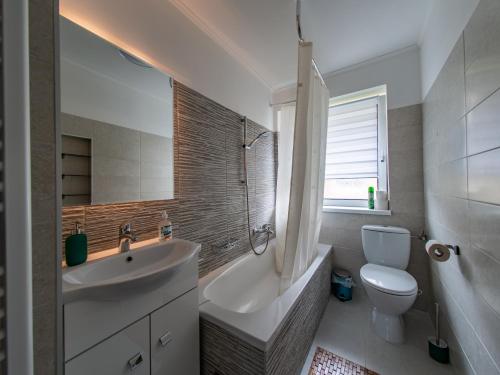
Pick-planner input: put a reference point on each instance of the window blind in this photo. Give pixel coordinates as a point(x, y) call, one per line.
point(352, 140)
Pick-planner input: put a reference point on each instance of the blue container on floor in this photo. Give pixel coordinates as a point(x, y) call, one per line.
point(342, 284)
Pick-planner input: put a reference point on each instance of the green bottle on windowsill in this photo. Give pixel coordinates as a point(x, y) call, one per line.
point(371, 197)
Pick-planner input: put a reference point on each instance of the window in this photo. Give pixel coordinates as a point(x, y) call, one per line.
point(356, 150)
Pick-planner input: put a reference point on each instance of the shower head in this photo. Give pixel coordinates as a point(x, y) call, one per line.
point(250, 145)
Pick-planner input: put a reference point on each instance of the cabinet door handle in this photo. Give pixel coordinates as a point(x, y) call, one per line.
point(135, 361)
point(165, 339)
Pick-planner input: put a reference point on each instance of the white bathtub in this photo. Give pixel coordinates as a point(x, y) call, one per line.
point(242, 296)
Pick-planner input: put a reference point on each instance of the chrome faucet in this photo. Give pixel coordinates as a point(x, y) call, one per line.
point(126, 237)
point(265, 228)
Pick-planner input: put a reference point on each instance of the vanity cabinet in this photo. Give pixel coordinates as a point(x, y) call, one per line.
point(122, 353)
point(164, 342)
point(175, 338)
point(151, 329)
point(139, 325)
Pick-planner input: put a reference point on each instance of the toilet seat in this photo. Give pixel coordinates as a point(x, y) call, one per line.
point(389, 280)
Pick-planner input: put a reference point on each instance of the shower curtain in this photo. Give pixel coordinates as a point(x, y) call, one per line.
point(286, 124)
point(302, 148)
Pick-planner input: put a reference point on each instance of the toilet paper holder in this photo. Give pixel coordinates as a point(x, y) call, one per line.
point(423, 237)
point(454, 248)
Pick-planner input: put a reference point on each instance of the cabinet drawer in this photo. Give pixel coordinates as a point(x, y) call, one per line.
point(175, 337)
point(127, 352)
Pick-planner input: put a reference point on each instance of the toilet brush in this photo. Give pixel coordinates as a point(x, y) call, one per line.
point(438, 348)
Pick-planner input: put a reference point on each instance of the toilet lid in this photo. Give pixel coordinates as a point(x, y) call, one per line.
point(389, 280)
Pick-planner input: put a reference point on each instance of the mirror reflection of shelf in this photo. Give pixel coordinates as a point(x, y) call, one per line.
point(76, 170)
point(75, 175)
point(64, 154)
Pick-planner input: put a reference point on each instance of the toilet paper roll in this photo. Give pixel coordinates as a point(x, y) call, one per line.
point(381, 201)
point(381, 195)
point(437, 251)
point(381, 204)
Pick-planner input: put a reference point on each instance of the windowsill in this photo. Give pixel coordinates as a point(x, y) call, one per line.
point(356, 210)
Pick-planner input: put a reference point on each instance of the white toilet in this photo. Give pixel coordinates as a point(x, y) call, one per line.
point(391, 289)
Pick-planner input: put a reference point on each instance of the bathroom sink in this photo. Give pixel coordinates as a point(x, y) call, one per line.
point(123, 274)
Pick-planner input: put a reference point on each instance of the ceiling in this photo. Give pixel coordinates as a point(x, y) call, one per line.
point(261, 34)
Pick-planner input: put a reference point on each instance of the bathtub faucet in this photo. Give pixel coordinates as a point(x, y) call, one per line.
point(265, 228)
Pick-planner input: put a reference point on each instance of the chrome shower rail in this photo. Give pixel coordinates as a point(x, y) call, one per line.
point(246, 148)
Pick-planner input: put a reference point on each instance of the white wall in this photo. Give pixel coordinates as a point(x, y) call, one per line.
point(160, 34)
point(445, 23)
point(400, 71)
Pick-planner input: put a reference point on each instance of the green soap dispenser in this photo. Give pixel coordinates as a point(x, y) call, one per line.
point(76, 247)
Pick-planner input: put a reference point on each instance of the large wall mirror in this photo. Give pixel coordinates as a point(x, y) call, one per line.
point(116, 123)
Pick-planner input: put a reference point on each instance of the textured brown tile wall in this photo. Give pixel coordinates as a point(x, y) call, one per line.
point(209, 205)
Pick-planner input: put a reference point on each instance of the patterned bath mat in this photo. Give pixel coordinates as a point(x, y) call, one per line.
point(327, 363)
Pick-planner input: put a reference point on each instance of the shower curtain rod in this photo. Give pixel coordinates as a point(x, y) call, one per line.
point(319, 73)
point(294, 100)
point(301, 40)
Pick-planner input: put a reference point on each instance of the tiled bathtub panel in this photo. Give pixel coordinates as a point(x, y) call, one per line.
point(210, 201)
point(289, 351)
point(225, 354)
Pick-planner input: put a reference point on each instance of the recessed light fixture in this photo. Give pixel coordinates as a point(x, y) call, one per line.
point(134, 60)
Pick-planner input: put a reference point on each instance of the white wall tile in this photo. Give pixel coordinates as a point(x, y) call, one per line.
point(484, 221)
point(484, 177)
point(482, 52)
point(483, 125)
point(467, 285)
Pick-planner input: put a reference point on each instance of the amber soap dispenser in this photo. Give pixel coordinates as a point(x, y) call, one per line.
point(76, 247)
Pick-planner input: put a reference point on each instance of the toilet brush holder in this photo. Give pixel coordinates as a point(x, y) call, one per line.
point(438, 348)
